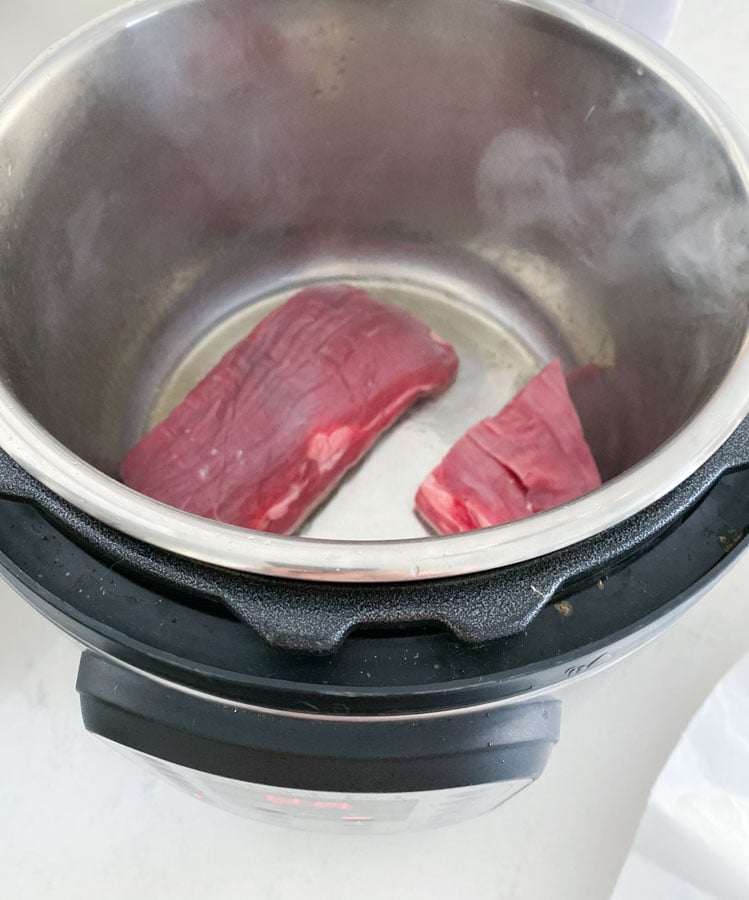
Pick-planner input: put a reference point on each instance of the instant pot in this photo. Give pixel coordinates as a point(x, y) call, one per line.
point(533, 181)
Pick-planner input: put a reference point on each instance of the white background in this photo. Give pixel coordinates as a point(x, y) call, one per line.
point(77, 821)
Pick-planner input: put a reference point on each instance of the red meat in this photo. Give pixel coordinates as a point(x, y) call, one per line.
point(272, 429)
point(530, 457)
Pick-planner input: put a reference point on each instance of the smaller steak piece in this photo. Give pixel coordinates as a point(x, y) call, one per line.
point(272, 429)
point(530, 457)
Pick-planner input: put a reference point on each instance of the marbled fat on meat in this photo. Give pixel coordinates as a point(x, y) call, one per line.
point(272, 429)
point(530, 457)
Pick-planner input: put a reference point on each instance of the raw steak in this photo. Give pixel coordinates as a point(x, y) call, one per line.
point(530, 457)
point(271, 430)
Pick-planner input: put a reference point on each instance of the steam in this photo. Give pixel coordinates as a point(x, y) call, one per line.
point(637, 202)
point(654, 198)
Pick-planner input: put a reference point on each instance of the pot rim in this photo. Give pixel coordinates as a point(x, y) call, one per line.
point(232, 547)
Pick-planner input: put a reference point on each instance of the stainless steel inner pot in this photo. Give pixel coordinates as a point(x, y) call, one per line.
point(529, 178)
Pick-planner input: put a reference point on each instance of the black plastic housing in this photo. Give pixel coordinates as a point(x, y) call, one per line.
point(183, 635)
point(372, 756)
point(316, 616)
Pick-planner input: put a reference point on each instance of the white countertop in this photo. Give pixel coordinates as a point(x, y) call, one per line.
point(78, 821)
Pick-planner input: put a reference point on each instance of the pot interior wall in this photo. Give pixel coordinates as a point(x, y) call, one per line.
point(524, 186)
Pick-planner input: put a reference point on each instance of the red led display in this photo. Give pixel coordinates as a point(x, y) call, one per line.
point(340, 805)
point(283, 801)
